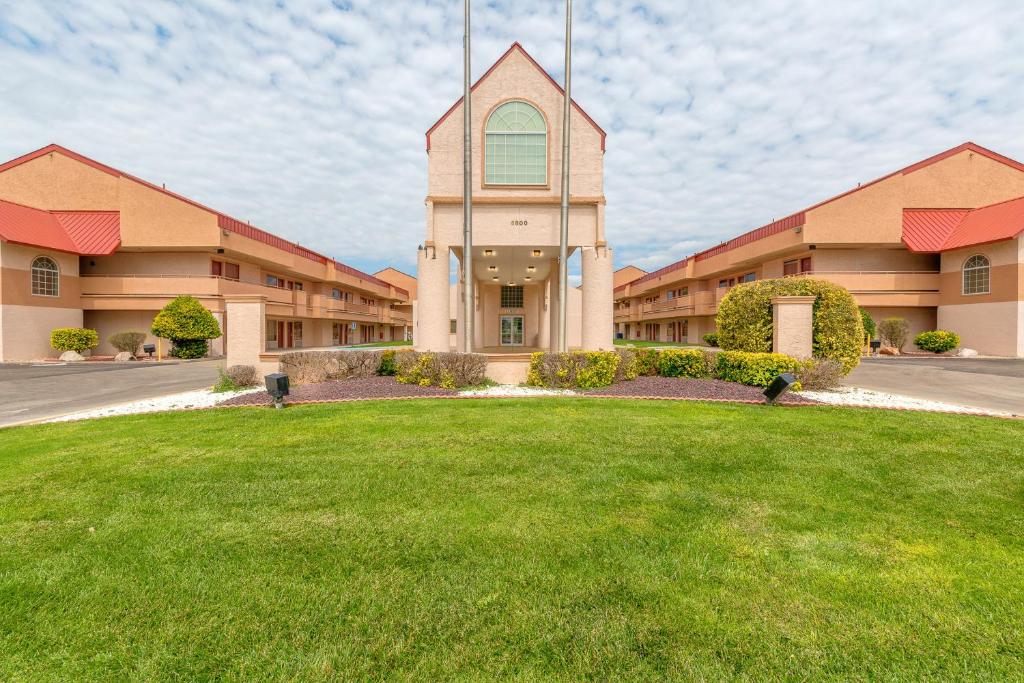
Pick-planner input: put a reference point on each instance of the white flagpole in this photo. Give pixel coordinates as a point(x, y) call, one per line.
point(563, 245)
point(467, 193)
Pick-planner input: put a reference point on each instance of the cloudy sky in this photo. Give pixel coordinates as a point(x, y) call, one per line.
point(307, 117)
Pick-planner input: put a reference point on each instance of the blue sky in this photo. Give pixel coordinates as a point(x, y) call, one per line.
point(307, 118)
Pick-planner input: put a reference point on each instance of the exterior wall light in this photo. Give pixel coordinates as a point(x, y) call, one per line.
point(778, 387)
point(277, 387)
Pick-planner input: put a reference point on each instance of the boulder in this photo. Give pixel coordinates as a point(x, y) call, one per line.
point(967, 353)
point(123, 357)
point(888, 351)
point(71, 356)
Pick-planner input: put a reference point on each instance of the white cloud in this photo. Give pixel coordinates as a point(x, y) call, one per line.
point(307, 118)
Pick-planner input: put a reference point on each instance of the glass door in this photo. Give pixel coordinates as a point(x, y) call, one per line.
point(511, 330)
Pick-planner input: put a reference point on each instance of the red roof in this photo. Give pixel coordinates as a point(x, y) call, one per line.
point(76, 232)
point(516, 46)
point(796, 219)
point(92, 232)
point(933, 230)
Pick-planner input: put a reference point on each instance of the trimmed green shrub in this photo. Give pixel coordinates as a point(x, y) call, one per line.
point(894, 332)
point(745, 318)
point(869, 324)
point(129, 342)
point(387, 366)
point(310, 367)
point(690, 363)
point(189, 348)
point(937, 341)
point(573, 370)
point(711, 339)
point(188, 324)
point(754, 369)
point(819, 373)
point(448, 370)
point(647, 362)
point(75, 339)
point(627, 368)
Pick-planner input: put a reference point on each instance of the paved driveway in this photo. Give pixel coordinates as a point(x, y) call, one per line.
point(34, 392)
point(990, 383)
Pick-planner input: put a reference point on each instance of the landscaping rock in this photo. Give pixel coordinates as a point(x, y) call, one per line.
point(967, 353)
point(888, 351)
point(123, 357)
point(71, 357)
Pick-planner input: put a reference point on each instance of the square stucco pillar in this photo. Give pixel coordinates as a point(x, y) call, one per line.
point(597, 314)
point(432, 294)
point(246, 315)
point(793, 325)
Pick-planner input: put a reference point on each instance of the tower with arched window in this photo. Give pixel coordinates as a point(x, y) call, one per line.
point(516, 151)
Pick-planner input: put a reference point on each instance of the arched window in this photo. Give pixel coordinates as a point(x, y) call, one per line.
point(976, 275)
point(45, 277)
point(516, 146)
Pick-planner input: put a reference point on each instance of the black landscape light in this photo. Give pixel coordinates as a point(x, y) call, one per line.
point(277, 387)
point(149, 348)
point(778, 387)
point(875, 345)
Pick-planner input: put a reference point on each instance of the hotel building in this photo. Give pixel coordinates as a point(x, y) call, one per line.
point(937, 243)
point(516, 150)
point(86, 245)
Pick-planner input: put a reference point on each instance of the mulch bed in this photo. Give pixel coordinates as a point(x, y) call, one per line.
point(694, 389)
point(343, 390)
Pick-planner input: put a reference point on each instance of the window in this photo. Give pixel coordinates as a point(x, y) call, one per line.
point(511, 296)
point(274, 281)
point(670, 294)
point(515, 146)
point(297, 333)
point(453, 326)
point(45, 277)
point(335, 293)
point(224, 269)
point(976, 275)
point(216, 268)
point(231, 271)
point(805, 264)
point(790, 267)
point(749, 277)
point(684, 291)
point(723, 283)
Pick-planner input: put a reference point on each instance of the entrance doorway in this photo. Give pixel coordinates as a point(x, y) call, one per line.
point(511, 330)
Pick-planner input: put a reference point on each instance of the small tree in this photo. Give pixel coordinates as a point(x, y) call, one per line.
point(188, 324)
point(894, 332)
point(75, 339)
point(869, 324)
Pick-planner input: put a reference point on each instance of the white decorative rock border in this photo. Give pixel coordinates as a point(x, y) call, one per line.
point(867, 398)
point(204, 398)
point(517, 391)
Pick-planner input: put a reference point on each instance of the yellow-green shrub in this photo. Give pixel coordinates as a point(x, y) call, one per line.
point(683, 363)
point(745, 318)
point(754, 369)
point(446, 370)
point(74, 339)
point(647, 362)
point(573, 370)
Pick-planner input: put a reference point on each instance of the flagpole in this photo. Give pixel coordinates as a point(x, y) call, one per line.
point(563, 244)
point(467, 192)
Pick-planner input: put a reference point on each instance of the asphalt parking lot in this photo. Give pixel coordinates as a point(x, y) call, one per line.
point(31, 392)
point(989, 383)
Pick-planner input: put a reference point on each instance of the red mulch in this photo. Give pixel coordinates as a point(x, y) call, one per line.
point(343, 390)
point(694, 389)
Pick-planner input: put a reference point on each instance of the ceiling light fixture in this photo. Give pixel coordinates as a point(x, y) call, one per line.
point(488, 252)
point(537, 252)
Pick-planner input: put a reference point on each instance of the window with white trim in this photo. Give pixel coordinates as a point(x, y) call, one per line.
point(977, 272)
point(511, 296)
point(45, 277)
point(516, 146)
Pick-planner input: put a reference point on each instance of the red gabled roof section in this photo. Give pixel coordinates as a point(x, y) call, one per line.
point(924, 234)
point(92, 229)
point(516, 46)
point(76, 232)
point(935, 230)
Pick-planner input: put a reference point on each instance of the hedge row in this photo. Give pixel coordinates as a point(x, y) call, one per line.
point(446, 369)
point(310, 367)
point(594, 369)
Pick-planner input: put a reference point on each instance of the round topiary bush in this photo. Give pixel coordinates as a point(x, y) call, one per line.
point(745, 318)
point(937, 341)
point(75, 339)
point(188, 324)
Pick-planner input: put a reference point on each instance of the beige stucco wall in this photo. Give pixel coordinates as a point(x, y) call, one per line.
point(149, 263)
point(25, 330)
point(919, 318)
point(995, 329)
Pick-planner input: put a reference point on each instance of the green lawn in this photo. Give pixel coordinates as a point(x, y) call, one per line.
point(543, 538)
point(645, 344)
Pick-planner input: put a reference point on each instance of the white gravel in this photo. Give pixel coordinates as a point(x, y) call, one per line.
point(204, 398)
point(854, 396)
point(516, 390)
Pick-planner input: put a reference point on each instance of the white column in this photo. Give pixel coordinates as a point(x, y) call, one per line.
point(597, 298)
point(432, 321)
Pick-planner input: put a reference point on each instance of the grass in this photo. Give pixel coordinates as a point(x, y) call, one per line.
point(379, 344)
point(539, 538)
point(645, 344)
